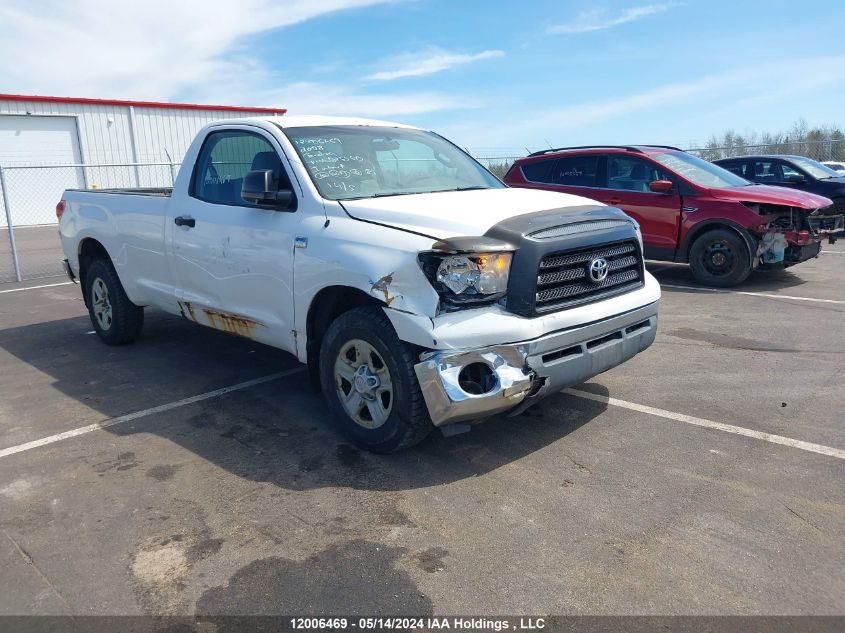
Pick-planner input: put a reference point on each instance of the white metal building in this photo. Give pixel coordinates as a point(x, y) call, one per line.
point(43, 133)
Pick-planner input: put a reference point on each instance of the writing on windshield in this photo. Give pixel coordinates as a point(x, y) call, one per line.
point(355, 161)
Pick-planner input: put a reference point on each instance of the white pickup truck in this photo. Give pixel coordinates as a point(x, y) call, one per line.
point(420, 290)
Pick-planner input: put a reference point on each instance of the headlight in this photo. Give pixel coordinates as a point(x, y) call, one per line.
point(468, 277)
point(639, 234)
point(475, 274)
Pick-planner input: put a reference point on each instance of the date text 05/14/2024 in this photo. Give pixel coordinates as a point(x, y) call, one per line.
point(426, 623)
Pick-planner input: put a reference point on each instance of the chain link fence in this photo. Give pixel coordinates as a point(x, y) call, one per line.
point(826, 150)
point(499, 165)
point(29, 240)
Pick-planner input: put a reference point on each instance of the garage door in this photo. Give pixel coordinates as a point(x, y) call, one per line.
point(37, 142)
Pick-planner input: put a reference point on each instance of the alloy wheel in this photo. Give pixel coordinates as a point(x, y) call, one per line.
point(100, 303)
point(364, 384)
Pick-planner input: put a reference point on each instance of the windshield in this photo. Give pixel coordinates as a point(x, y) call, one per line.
point(346, 162)
point(699, 171)
point(814, 168)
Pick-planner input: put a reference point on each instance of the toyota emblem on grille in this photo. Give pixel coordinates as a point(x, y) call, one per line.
point(597, 270)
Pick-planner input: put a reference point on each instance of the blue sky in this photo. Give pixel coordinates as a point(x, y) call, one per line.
point(490, 75)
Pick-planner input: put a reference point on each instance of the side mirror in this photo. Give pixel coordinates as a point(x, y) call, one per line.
point(259, 187)
point(661, 186)
point(796, 179)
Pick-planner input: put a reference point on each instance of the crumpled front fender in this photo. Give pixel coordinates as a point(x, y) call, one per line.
point(379, 261)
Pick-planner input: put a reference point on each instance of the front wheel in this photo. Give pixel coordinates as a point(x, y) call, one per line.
point(368, 379)
point(720, 258)
point(115, 318)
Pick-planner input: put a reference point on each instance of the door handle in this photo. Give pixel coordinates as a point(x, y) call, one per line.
point(180, 221)
point(613, 201)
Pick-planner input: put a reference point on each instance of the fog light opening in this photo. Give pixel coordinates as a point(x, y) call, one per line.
point(477, 379)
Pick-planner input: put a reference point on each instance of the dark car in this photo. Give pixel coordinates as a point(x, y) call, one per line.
point(796, 172)
point(689, 210)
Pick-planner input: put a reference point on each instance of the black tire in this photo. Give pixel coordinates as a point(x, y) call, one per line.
point(116, 321)
point(406, 422)
point(720, 258)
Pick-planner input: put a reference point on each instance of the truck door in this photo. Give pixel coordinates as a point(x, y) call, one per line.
point(233, 260)
point(659, 214)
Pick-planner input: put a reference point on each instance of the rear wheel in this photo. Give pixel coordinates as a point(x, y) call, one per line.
point(368, 379)
point(720, 258)
point(115, 318)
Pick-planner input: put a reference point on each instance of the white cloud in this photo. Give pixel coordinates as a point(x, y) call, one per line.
point(600, 19)
point(309, 97)
point(164, 50)
point(427, 63)
point(305, 98)
point(717, 93)
point(244, 81)
point(188, 50)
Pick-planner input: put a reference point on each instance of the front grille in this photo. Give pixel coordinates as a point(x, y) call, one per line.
point(563, 279)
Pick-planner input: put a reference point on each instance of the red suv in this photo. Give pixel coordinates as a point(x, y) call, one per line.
point(689, 210)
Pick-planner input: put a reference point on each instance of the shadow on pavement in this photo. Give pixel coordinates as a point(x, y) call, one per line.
point(278, 432)
point(758, 281)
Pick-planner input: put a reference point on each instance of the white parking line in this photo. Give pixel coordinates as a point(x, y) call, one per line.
point(64, 283)
point(58, 437)
point(754, 294)
point(833, 252)
point(710, 424)
point(662, 413)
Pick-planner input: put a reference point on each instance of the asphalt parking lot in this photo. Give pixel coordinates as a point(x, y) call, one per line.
point(703, 477)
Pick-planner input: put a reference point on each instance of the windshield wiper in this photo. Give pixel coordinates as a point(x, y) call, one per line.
point(412, 193)
point(395, 193)
point(384, 195)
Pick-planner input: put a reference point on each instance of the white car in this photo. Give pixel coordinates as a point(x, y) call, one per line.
point(419, 289)
point(835, 165)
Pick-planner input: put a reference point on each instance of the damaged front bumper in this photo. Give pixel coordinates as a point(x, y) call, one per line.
point(826, 225)
point(460, 386)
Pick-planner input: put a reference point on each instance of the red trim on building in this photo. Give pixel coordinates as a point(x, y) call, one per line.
point(142, 104)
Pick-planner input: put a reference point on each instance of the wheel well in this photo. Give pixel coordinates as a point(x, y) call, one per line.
point(326, 306)
point(746, 237)
point(90, 250)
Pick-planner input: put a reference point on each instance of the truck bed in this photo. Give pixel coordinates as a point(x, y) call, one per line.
point(160, 192)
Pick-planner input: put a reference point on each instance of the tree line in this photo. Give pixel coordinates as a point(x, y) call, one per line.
point(821, 142)
point(824, 142)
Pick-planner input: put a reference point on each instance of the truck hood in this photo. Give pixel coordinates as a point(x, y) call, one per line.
point(453, 213)
point(766, 194)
